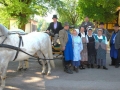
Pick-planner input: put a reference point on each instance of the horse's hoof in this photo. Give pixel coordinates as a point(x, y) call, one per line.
point(19, 69)
point(25, 69)
point(48, 74)
point(43, 73)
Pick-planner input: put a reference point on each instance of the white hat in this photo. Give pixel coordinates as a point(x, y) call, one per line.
point(77, 30)
point(89, 28)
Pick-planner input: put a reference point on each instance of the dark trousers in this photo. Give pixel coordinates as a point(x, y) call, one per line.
point(113, 61)
point(118, 59)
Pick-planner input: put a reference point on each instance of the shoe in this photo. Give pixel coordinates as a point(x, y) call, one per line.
point(111, 65)
point(105, 68)
point(92, 66)
point(98, 66)
point(76, 69)
point(88, 66)
point(73, 68)
point(116, 66)
point(81, 67)
point(68, 70)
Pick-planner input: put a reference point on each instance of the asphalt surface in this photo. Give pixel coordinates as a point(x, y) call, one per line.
point(88, 79)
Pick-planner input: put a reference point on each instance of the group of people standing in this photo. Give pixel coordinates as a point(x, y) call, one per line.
point(85, 47)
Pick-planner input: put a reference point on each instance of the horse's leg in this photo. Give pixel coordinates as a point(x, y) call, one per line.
point(20, 66)
point(48, 63)
point(49, 67)
point(26, 64)
point(43, 67)
point(39, 54)
point(3, 75)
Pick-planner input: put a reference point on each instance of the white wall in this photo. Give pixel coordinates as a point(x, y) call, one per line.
point(28, 27)
point(13, 24)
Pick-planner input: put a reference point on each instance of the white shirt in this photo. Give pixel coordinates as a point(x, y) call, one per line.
point(101, 37)
point(83, 35)
point(89, 35)
point(55, 25)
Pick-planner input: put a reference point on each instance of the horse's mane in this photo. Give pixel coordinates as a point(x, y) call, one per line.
point(4, 30)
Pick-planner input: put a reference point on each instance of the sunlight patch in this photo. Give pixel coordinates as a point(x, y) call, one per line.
point(51, 77)
point(11, 71)
point(33, 79)
point(13, 88)
point(38, 72)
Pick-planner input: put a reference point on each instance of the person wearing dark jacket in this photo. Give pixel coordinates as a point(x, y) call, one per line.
point(113, 51)
point(91, 49)
point(86, 23)
point(117, 45)
point(55, 27)
point(105, 31)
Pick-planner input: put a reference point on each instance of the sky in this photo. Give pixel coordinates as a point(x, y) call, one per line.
point(48, 18)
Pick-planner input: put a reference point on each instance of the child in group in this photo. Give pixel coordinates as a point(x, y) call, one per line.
point(77, 48)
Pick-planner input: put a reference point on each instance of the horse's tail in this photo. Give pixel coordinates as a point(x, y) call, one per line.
point(51, 54)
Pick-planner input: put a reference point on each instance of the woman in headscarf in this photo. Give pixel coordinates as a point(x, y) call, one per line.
point(101, 49)
point(84, 53)
point(77, 48)
point(91, 48)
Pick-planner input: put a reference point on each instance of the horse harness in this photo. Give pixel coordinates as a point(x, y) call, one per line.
point(18, 49)
point(9, 46)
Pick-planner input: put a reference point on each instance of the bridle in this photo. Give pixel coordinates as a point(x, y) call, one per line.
point(4, 39)
point(1, 35)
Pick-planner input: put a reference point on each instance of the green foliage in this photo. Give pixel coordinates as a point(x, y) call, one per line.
point(23, 10)
point(100, 10)
point(42, 25)
point(68, 12)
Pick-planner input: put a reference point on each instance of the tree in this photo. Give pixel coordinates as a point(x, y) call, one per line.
point(100, 10)
point(44, 26)
point(68, 12)
point(23, 10)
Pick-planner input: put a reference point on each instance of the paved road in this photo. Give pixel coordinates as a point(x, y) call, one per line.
point(88, 79)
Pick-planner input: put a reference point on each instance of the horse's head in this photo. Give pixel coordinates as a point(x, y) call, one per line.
point(3, 30)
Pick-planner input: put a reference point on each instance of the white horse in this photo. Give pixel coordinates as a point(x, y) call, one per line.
point(22, 64)
point(36, 42)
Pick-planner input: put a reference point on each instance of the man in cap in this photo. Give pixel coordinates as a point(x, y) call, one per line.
point(113, 51)
point(67, 48)
point(87, 23)
point(105, 31)
point(55, 27)
point(117, 44)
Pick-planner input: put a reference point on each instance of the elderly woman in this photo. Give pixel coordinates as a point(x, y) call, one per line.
point(84, 53)
point(101, 48)
point(67, 47)
point(77, 48)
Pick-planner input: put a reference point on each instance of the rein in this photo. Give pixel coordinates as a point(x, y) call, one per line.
point(18, 49)
point(20, 40)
